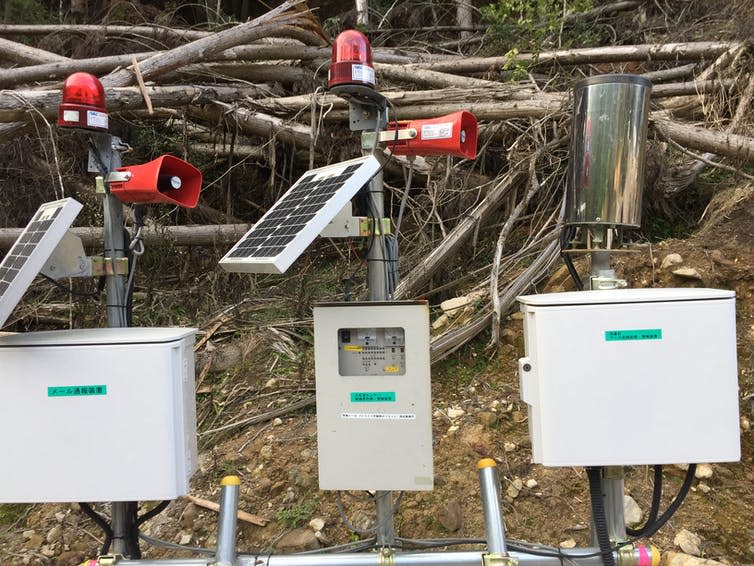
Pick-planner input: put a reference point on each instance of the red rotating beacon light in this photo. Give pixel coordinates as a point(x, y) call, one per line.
point(83, 103)
point(351, 60)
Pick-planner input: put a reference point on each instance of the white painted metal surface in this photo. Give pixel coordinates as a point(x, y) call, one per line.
point(374, 416)
point(69, 398)
point(641, 376)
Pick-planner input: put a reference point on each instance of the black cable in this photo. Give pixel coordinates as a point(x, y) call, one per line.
point(594, 473)
point(565, 236)
point(156, 510)
point(100, 521)
point(655, 508)
point(674, 505)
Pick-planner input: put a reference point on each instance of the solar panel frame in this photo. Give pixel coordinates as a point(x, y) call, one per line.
point(32, 249)
point(298, 217)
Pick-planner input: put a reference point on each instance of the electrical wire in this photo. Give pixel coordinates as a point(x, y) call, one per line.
point(102, 523)
point(594, 473)
point(655, 506)
point(565, 236)
point(674, 505)
point(174, 546)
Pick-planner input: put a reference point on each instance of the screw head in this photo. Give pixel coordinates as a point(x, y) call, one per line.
point(526, 367)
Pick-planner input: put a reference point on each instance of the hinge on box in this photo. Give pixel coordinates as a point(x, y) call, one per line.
point(497, 559)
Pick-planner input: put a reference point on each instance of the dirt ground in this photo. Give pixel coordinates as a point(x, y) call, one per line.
point(478, 413)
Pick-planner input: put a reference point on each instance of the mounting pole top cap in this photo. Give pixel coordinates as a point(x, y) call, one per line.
point(351, 60)
point(83, 104)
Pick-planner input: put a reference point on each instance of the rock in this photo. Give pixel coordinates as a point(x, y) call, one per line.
point(455, 412)
point(189, 516)
point(631, 511)
point(508, 336)
point(451, 516)
point(509, 446)
point(453, 429)
point(441, 322)
point(745, 424)
point(531, 483)
point(515, 487)
point(568, 543)
point(687, 273)
point(703, 471)
point(35, 541)
point(265, 453)
point(54, 534)
point(488, 418)
point(688, 542)
point(317, 524)
point(28, 534)
point(47, 551)
point(679, 559)
point(703, 487)
point(272, 382)
point(298, 540)
point(453, 306)
point(670, 260)
point(277, 421)
point(59, 516)
point(185, 539)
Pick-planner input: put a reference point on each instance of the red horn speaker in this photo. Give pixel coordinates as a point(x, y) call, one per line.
point(165, 179)
point(452, 134)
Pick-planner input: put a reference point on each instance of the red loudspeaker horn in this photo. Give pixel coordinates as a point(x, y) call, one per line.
point(165, 179)
point(452, 134)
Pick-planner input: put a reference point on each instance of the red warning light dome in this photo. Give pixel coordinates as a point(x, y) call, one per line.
point(351, 60)
point(83, 103)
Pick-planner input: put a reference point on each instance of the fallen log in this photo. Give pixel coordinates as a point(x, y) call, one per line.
point(616, 54)
point(735, 146)
point(15, 105)
point(209, 235)
point(154, 32)
point(26, 55)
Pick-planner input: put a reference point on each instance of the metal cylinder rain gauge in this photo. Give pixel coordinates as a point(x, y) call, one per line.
point(608, 147)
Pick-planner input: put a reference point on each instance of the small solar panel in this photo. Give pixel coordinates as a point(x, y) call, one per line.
point(32, 249)
point(285, 231)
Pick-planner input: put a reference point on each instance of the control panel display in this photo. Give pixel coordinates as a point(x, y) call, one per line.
point(371, 351)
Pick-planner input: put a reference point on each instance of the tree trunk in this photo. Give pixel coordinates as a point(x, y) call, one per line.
point(25, 55)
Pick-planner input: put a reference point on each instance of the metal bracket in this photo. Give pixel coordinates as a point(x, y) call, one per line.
point(370, 139)
point(68, 259)
point(104, 266)
point(109, 559)
point(496, 559)
point(118, 176)
point(366, 227)
point(602, 283)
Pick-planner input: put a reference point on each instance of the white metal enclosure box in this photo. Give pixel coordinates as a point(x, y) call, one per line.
point(374, 407)
point(103, 414)
point(634, 376)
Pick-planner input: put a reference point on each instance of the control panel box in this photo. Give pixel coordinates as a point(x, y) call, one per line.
point(97, 415)
point(374, 406)
point(630, 377)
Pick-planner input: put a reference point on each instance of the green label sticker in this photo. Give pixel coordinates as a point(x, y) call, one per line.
point(631, 335)
point(76, 390)
point(373, 397)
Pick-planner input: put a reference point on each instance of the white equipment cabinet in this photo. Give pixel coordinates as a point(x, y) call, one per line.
point(374, 407)
point(97, 415)
point(628, 377)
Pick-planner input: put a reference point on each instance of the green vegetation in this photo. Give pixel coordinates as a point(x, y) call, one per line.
point(297, 514)
point(11, 512)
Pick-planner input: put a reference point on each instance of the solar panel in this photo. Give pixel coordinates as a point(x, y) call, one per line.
point(31, 250)
point(285, 231)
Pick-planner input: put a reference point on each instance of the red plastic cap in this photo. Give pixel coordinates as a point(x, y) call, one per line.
point(83, 103)
point(351, 60)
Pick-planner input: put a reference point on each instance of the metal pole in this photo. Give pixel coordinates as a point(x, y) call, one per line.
point(107, 154)
point(629, 556)
point(225, 555)
point(612, 477)
point(377, 285)
point(489, 486)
